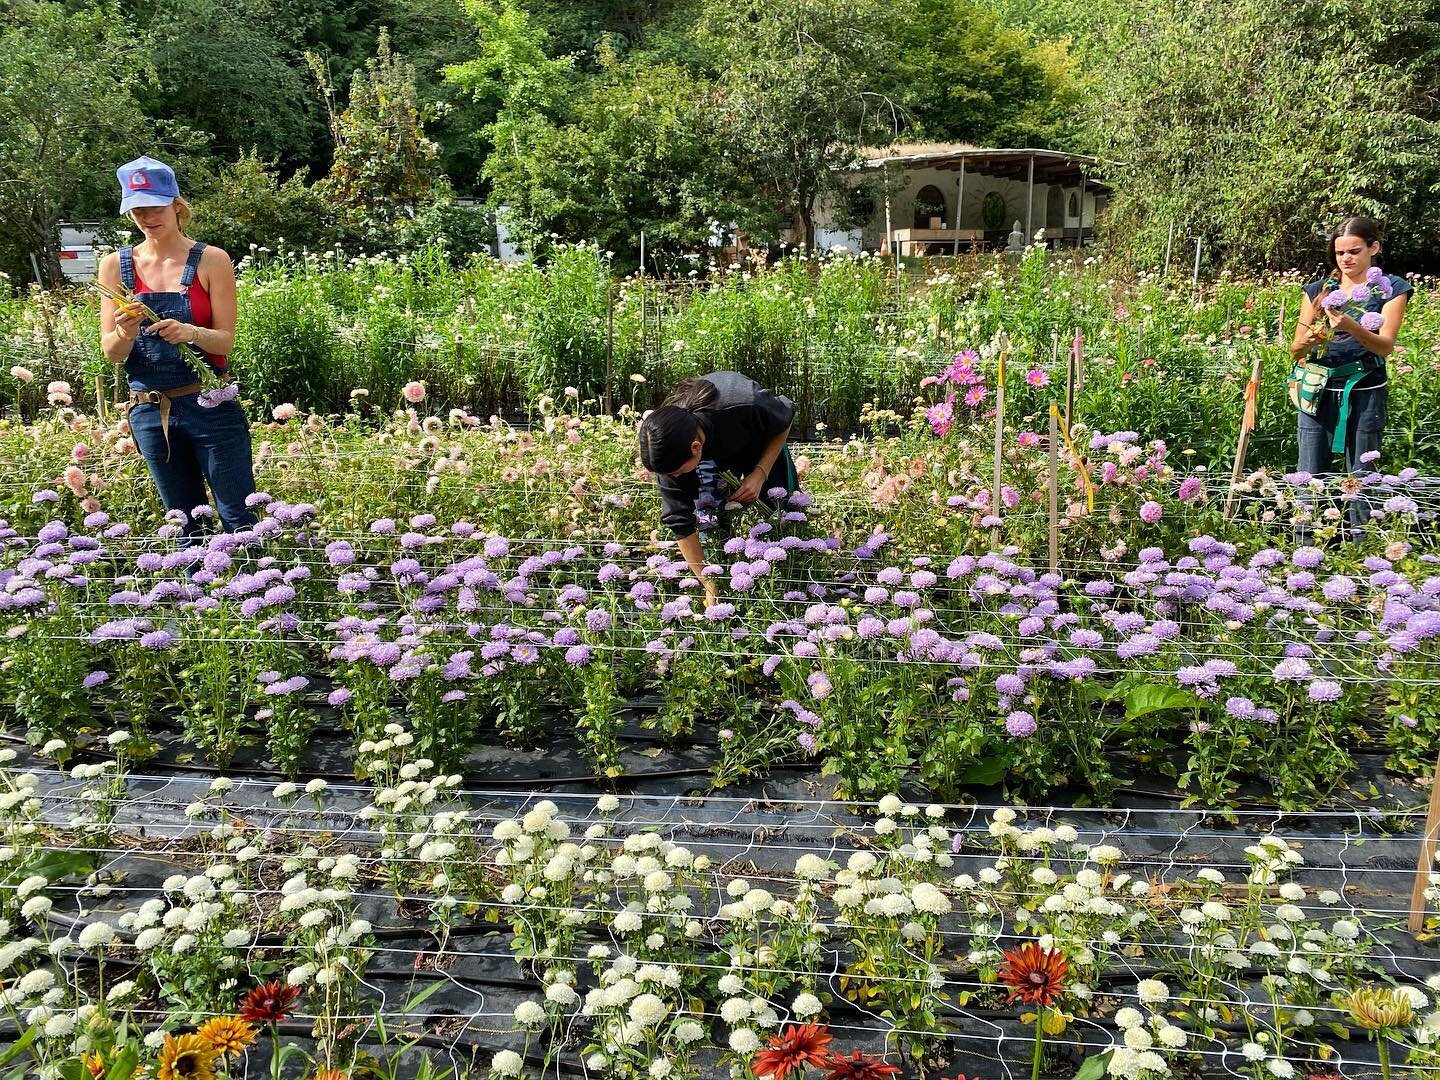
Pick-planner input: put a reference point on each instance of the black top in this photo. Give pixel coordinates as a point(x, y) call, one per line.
point(737, 428)
point(1343, 348)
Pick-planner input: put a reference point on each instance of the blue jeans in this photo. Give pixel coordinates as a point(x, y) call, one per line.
point(1369, 409)
point(206, 446)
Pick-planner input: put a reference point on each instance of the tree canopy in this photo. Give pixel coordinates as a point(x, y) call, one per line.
point(1249, 125)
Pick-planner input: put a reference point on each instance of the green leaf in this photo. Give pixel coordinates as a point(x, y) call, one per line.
point(984, 773)
point(19, 1046)
point(1094, 1067)
point(124, 1064)
point(1155, 697)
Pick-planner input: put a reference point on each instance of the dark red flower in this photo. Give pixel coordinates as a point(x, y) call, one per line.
point(269, 1004)
point(793, 1050)
point(859, 1066)
point(1034, 975)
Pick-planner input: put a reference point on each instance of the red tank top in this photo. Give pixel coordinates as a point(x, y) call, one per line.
point(201, 313)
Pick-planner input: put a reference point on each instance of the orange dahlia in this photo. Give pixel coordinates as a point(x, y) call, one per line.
point(1034, 975)
point(227, 1035)
point(793, 1050)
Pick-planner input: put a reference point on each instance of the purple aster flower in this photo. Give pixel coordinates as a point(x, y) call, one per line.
point(1291, 669)
point(339, 697)
point(1010, 684)
point(1307, 558)
point(819, 685)
point(525, 654)
point(45, 495)
point(382, 526)
point(1020, 725)
point(578, 655)
point(1151, 512)
point(1241, 708)
point(94, 679)
point(1324, 690)
point(157, 639)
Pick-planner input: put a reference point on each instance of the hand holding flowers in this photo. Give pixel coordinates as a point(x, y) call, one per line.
point(1345, 308)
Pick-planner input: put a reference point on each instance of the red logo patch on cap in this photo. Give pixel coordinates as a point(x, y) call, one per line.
point(139, 180)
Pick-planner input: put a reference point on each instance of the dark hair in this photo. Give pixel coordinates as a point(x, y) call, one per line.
point(1367, 229)
point(667, 433)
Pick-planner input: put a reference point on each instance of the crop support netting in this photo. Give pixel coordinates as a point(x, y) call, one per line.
point(595, 935)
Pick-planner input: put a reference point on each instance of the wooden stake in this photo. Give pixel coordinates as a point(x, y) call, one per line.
point(609, 346)
point(1069, 391)
point(1247, 425)
point(1054, 491)
point(1280, 330)
point(1427, 855)
point(1077, 350)
point(100, 398)
point(999, 444)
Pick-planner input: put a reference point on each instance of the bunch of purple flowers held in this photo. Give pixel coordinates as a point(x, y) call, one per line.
point(1353, 301)
point(450, 622)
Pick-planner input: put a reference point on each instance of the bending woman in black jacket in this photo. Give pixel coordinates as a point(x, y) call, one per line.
point(724, 422)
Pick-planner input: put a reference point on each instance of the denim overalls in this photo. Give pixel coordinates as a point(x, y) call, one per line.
point(205, 445)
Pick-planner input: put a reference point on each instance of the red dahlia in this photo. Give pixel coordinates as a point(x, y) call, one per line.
point(859, 1066)
point(269, 1004)
point(793, 1050)
point(1034, 975)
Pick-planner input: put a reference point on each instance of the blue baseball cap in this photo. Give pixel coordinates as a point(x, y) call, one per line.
point(146, 182)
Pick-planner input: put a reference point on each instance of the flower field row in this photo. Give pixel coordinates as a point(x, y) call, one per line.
point(833, 335)
point(872, 623)
point(409, 926)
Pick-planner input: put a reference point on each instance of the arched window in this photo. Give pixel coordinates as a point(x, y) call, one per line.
point(929, 203)
point(993, 211)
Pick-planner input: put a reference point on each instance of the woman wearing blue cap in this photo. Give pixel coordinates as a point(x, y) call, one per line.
point(191, 286)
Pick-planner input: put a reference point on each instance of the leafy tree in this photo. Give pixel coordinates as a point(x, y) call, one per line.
point(797, 94)
point(1270, 121)
point(68, 117)
point(959, 74)
point(384, 167)
point(247, 205)
point(244, 87)
point(637, 152)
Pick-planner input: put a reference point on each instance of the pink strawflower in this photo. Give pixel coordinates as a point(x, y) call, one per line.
point(414, 392)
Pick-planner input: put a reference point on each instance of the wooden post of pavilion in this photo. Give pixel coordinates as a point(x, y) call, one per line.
point(959, 201)
point(1030, 203)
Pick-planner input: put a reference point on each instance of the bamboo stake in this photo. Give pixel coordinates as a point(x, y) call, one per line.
point(1247, 425)
point(999, 443)
point(1427, 855)
point(1054, 491)
point(1077, 350)
point(100, 398)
